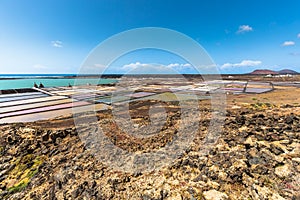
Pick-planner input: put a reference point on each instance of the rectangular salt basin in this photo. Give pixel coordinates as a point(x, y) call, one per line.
point(258, 83)
point(168, 96)
point(33, 105)
point(29, 101)
point(104, 93)
point(52, 114)
point(104, 100)
point(85, 96)
point(64, 92)
point(44, 109)
point(218, 82)
point(188, 87)
point(234, 89)
point(92, 98)
point(22, 97)
point(78, 91)
point(19, 94)
point(258, 90)
point(140, 94)
point(61, 90)
point(109, 100)
point(239, 82)
point(202, 89)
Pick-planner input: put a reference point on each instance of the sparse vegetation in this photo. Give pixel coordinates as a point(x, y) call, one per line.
point(25, 168)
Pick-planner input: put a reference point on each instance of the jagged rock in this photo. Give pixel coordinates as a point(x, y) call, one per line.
point(213, 184)
point(267, 193)
point(296, 160)
point(45, 137)
point(28, 130)
point(250, 141)
point(257, 149)
point(240, 165)
point(214, 195)
point(289, 119)
point(283, 171)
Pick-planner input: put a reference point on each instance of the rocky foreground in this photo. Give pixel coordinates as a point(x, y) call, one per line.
point(257, 157)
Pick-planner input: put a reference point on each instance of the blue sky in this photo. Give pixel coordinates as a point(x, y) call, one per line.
point(56, 36)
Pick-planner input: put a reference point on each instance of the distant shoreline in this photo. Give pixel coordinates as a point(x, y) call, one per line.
point(72, 76)
point(118, 76)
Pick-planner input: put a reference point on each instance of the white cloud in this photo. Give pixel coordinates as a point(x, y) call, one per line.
point(288, 43)
point(157, 68)
point(136, 65)
point(132, 66)
point(244, 29)
point(187, 65)
point(39, 66)
point(57, 43)
point(177, 65)
point(244, 63)
point(173, 65)
point(298, 36)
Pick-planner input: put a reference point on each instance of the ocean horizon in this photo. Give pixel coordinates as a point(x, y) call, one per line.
point(23, 81)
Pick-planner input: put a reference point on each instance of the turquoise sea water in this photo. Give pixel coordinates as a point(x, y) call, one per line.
point(50, 82)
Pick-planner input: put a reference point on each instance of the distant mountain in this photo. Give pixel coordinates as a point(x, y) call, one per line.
point(287, 71)
point(272, 72)
point(264, 72)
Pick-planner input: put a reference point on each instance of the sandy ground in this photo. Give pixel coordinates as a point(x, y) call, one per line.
point(280, 96)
